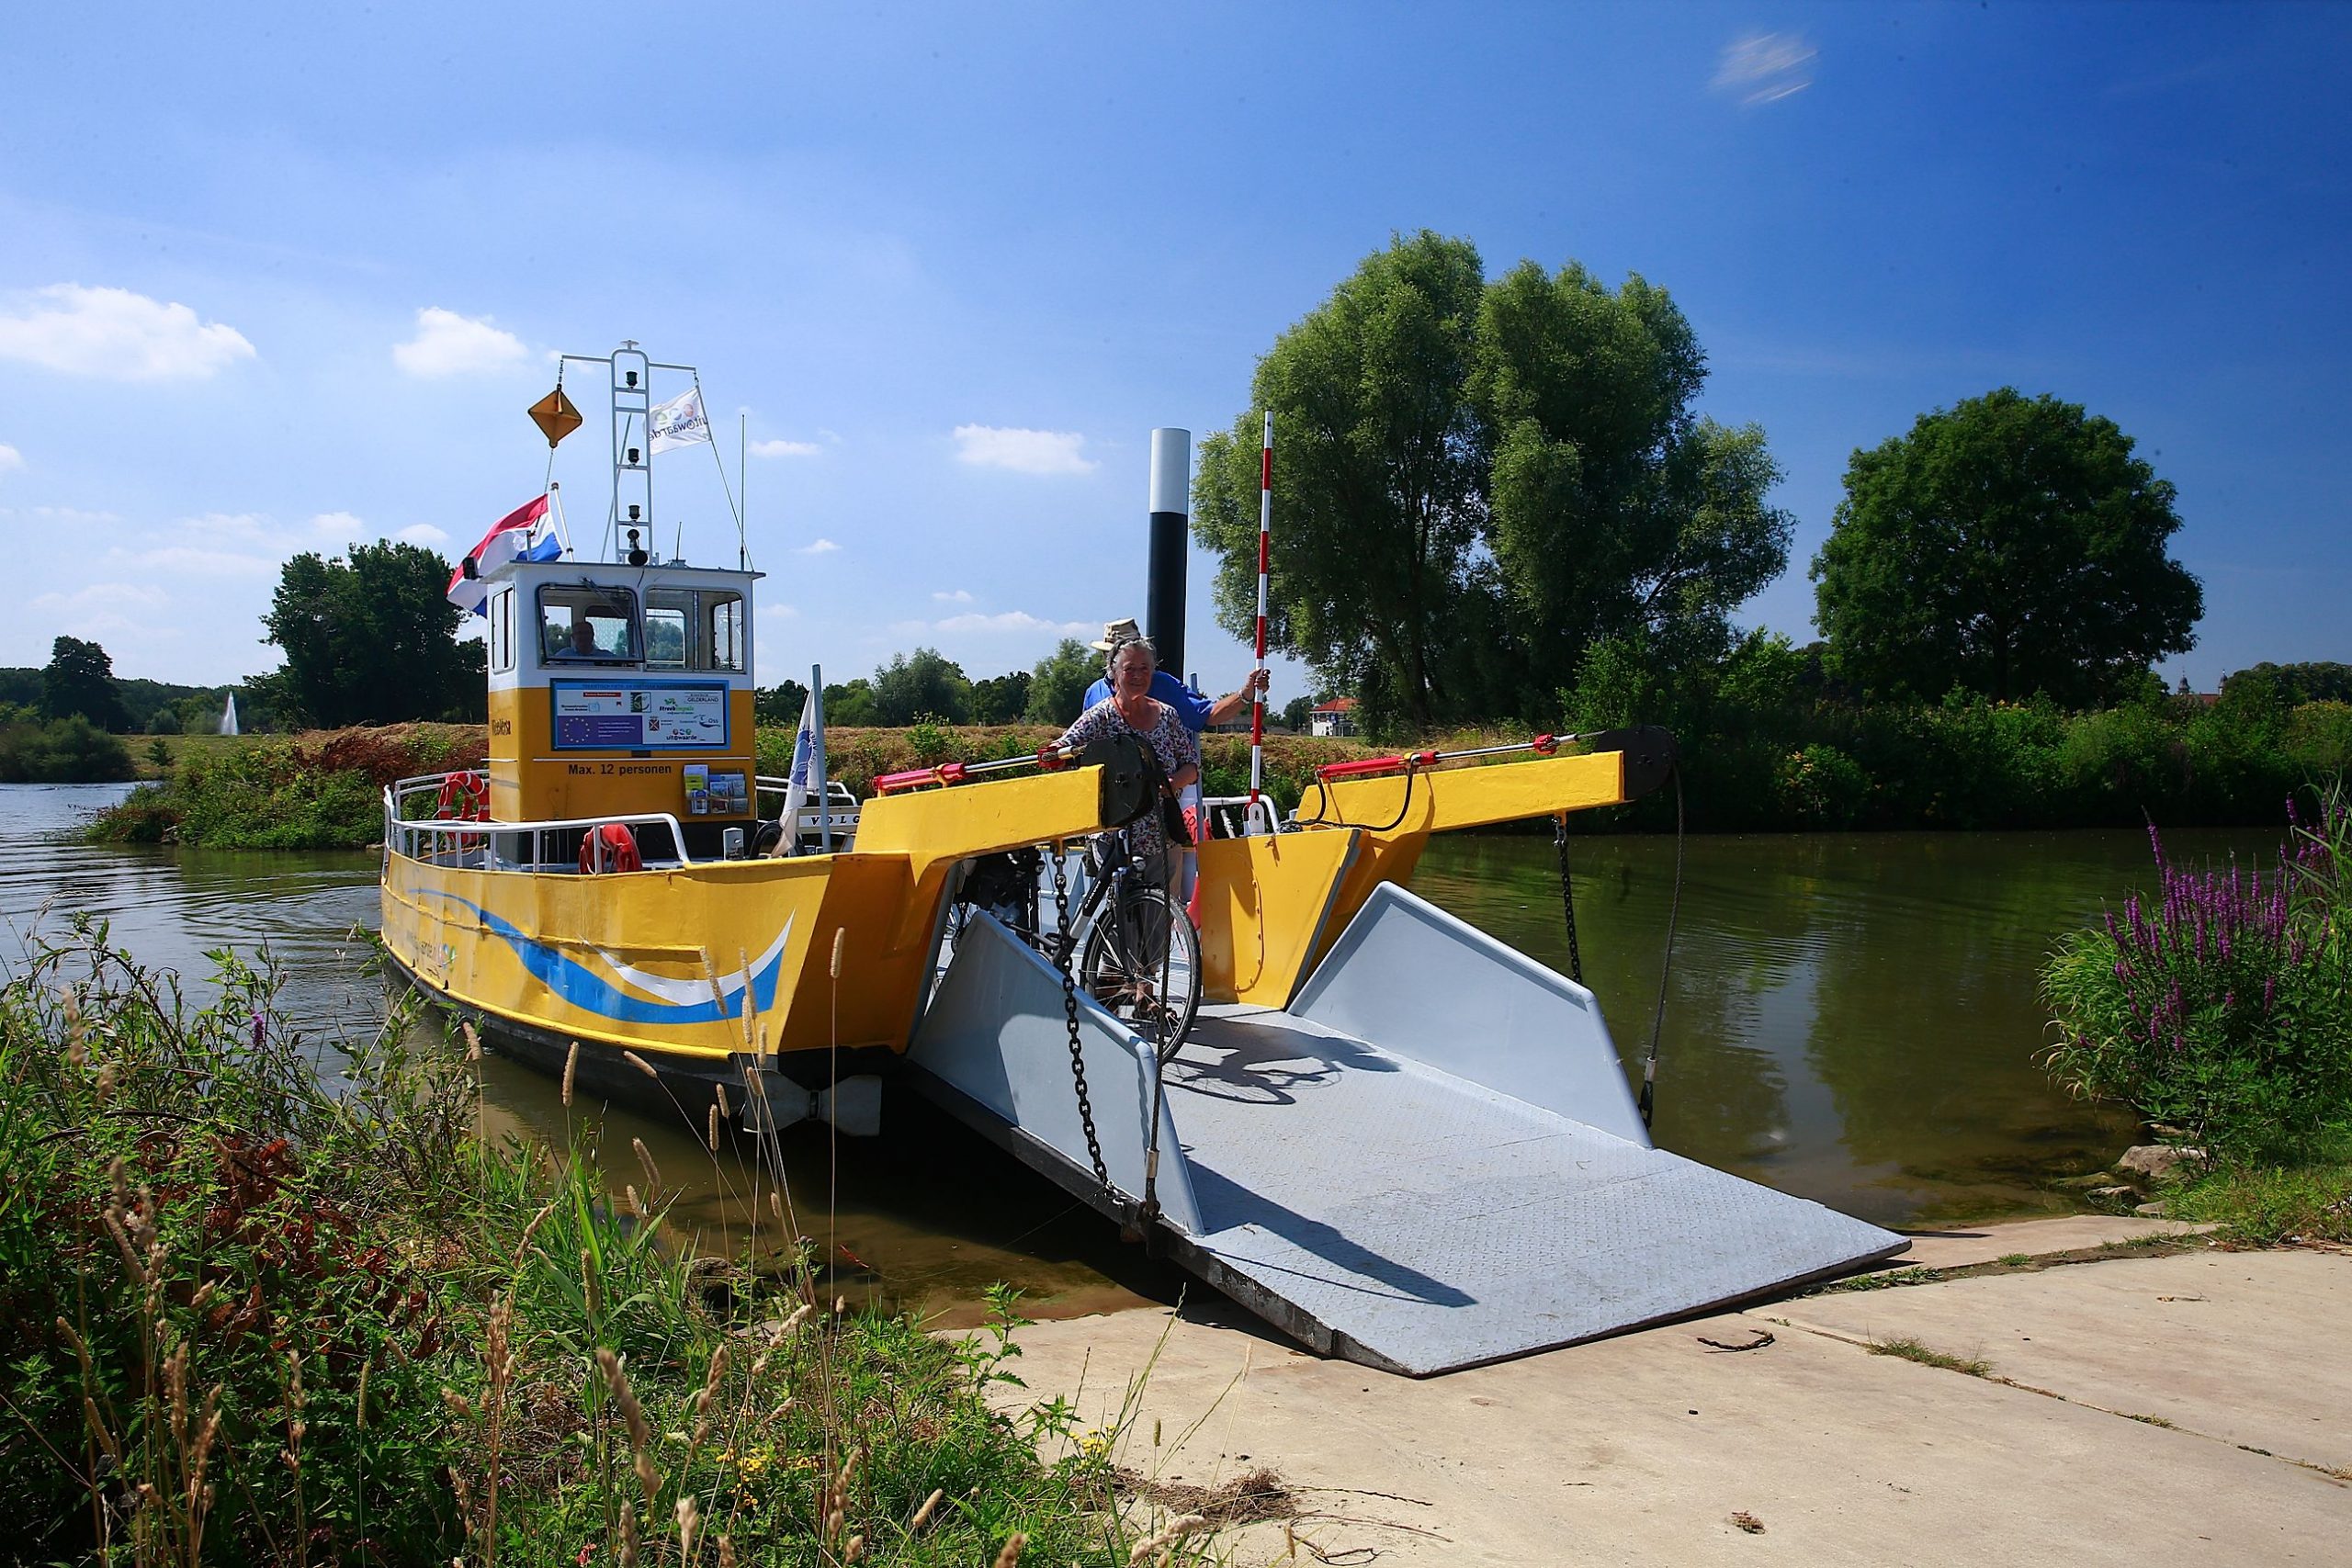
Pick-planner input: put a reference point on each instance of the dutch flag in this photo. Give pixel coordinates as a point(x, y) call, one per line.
point(522, 533)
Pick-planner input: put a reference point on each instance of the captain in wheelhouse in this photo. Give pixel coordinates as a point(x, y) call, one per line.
point(620, 698)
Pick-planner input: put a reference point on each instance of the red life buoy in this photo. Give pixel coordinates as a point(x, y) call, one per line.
point(610, 847)
point(465, 797)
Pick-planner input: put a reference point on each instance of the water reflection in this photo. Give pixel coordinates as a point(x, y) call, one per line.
point(1851, 1019)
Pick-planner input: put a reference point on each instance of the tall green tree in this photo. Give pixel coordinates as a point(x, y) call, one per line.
point(1379, 479)
point(779, 705)
point(1001, 699)
point(921, 685)
point(2006, 545)
point(1474, 482)
point(79, 679)
point(848, 703)
point(1614, 511)
point(1058, 685)
point(370, 638)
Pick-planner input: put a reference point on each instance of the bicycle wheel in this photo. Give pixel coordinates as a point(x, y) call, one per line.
point(1142, 961)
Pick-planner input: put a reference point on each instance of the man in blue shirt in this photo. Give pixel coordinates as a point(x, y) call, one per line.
point(1196, 711)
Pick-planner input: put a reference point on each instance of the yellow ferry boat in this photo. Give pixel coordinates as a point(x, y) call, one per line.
point(1388, 1132)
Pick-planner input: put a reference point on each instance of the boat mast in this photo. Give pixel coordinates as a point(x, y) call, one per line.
point(632, 381)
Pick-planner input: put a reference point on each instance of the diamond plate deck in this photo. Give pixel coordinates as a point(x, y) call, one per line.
point(1370, 1203)
point(1425, 1223)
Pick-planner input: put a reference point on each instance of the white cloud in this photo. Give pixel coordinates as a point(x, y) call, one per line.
point(784, 449)
point(820, 547)
point(954, 596)
point(449, 345)
point(1011, 621)
point(1765, 67)
point(218, 544)
point(115, 333)
point(1022, 451)
point(73, 514)
point(340, 526)
point(780, 612)
point(194, 560)
point(422, 534)
point(103, 596)
point(10, 457)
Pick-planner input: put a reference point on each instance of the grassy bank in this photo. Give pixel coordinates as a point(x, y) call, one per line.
point(323, 791)
point(1765, 747)
point(216, 1345)
point(318, 791)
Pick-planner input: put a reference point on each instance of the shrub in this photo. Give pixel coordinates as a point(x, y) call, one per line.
point(319, 791)
point(64, 750)
point(1821, 787)
point(2223, 1005)
point(217, 1345)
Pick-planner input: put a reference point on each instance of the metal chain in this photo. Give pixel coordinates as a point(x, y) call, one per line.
point(1567, 898)
point(1064, 951)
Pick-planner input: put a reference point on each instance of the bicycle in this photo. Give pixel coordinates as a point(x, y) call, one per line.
point(1137, 952)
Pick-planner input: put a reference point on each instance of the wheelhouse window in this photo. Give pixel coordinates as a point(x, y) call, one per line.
point(584, 624)
point(724, 621)
point(665, 633)
point(688, 628)
point(502, 630)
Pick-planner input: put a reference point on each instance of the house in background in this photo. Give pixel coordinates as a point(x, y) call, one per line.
point(1337, 716)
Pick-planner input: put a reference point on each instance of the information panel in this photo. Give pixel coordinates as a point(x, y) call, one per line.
point(639, 716)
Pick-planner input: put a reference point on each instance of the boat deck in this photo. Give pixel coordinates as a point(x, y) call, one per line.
point(1367, 1202)
point(1434, 1223)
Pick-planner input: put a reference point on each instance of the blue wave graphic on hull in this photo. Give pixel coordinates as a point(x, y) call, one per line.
point(591, 992)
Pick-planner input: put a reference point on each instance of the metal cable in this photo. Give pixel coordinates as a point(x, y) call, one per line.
point(1666, 970)
point(1319, 820)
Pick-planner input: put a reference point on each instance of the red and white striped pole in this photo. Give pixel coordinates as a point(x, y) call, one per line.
point(1257, 696)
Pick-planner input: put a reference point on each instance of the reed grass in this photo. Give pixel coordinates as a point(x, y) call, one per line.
point(269, 1298)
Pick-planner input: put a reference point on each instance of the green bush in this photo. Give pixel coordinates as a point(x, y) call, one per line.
point(2223, 1005)
point(64, 750)
point(217, 1345)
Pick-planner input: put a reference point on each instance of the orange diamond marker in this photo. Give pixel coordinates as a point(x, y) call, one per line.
point(554, 416)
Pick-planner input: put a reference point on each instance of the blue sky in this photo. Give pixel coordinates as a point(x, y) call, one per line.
point(275, 278)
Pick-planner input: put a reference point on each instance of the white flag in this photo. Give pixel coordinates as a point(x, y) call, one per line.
point(678, 423)
point(797, 788)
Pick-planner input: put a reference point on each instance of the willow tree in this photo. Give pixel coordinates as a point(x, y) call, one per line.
point(1380, 480)
point(1476, 482)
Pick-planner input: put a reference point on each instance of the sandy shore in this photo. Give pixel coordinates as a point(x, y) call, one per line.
point(2190, 1405)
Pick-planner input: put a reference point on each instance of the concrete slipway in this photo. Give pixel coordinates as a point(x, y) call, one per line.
point(2195, 1406)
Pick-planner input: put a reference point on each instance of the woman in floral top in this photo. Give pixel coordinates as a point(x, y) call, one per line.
point(1131, 709)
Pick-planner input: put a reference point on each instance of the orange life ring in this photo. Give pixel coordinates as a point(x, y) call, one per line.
point(465, 797)
point(610, 847)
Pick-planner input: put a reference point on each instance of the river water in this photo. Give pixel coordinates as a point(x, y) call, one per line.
point(1850, 1017)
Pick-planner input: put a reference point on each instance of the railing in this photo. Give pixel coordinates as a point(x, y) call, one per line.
point(474, 843)
point(1232, 815)
point(841, 820)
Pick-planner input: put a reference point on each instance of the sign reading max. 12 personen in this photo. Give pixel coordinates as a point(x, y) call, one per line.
point(604, 715)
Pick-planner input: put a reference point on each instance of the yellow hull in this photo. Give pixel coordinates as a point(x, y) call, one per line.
point(698, 962)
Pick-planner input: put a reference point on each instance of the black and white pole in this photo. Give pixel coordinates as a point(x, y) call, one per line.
point(1172, 492)
point(1265, 555)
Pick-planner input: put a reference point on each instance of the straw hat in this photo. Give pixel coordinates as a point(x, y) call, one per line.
point(1118, 633)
